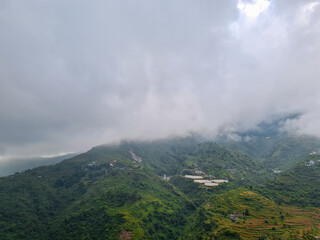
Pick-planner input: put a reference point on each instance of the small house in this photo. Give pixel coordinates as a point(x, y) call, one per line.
point(235, 216)
point(199, 172)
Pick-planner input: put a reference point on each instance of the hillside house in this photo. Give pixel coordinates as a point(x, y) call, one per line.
point(232, 170)
point(310, 163)
point(199, 172)
point(314, 153)
point(165, 177)
point(235, 216)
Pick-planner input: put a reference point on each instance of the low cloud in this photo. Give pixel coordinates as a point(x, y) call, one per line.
point(75, 74)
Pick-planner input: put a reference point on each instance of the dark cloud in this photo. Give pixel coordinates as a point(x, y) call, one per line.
point(74, 74)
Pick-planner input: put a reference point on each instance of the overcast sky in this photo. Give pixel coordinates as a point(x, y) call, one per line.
point(77, 73)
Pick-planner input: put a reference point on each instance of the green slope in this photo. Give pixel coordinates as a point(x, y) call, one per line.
point(176, 156)
point(282, 151)
point(79, 199)
point(298, 186)
point(260, 218)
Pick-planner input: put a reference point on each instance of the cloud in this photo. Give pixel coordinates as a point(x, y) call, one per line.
point(75, 74)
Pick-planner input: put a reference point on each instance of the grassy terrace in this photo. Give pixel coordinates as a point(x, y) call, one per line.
point(262, 218)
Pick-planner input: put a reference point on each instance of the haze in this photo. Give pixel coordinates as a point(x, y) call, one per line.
point(77, 73)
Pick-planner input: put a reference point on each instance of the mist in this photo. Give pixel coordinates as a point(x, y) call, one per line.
point(77, 73)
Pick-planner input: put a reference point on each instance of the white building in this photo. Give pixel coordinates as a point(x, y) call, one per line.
point(202, 181)
point(193, 177)
point(220, 181)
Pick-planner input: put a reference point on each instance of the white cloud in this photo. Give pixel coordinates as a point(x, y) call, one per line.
point(75, 74)
point(305, 12)
point(253, 10)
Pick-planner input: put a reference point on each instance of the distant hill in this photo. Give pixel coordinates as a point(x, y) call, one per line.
point(12, 166)
point(298, 186)
point(271, 145)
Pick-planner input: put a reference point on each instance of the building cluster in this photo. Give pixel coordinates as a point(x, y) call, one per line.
point(166, 178)
point(311, 163)
point(276, 171)
point(91, 164)
point(315, 153)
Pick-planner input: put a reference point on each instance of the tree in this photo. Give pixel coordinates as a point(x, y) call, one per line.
point(246, 212)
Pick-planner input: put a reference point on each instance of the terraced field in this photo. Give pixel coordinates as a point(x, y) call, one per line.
point(261, 218)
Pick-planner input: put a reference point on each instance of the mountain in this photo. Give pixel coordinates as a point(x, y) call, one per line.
point(12, 166)
point(272, 146)
point(113, 192)
point(138, 190)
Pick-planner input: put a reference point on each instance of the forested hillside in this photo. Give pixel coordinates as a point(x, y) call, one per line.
point(298, 186)
point(93, 196)
point(140, 190)
point(110, 189)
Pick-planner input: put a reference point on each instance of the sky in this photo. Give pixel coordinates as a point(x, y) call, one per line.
point(79, 73)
